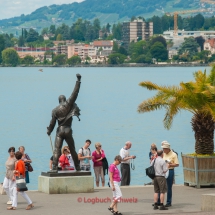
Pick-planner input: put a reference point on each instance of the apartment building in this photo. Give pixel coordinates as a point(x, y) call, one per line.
point(136, 30)
point(103, 47)
point(82, 50)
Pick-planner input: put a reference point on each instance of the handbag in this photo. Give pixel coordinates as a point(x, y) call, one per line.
point(2, 191)
point(30, 168)
point(150, 171)
point(20, 183)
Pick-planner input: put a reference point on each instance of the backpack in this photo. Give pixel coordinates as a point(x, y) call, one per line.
point(175, 152)
point(83, 151)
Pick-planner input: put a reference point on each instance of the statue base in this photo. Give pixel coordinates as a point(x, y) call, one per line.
point(66, 182)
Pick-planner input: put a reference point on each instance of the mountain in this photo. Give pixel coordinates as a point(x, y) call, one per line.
point(110, 11)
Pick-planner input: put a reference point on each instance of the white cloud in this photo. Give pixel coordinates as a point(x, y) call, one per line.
point(10, 9)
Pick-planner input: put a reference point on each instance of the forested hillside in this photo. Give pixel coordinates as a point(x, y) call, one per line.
point(107, 11)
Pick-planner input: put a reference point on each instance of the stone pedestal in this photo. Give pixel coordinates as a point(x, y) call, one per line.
point(208, 202)
point(66, 182)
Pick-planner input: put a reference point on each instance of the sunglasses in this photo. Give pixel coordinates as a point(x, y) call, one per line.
point(11, 151)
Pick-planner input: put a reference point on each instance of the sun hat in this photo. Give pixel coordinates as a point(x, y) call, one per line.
point(165, 145)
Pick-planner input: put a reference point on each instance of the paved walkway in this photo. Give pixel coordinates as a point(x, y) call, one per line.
point(186, 201)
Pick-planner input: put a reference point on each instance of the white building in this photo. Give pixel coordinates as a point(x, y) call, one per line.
point(169, 35)
point(209, 45)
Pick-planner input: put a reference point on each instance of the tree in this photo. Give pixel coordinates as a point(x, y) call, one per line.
point(28, 60)
point(21, 41)
point(116, 58)
point(52, 29)
point(159, 39)
point(143, 59)
point(97, 27)
point(74, 60)
point(10, 57)
point(189, 46)
point(32, 35)
point(196, 97)
point(200, 40)
point(45, 31)
point(2, 46)
point(159, 52)
point(59, 37)
point(59, 59)
point(122, 50)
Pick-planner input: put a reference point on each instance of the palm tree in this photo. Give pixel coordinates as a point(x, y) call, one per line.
point(197, 96)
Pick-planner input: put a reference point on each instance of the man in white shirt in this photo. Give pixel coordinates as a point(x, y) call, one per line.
point(84, 155)
point(160, 186)
point(125, 164)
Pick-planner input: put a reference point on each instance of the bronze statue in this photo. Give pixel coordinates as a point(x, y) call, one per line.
point(63, 113)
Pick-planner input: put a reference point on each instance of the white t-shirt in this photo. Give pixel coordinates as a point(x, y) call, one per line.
point(124, 153)
point(84, 152)
point(71, 162)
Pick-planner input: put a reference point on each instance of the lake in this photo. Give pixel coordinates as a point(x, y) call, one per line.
point(108, 100)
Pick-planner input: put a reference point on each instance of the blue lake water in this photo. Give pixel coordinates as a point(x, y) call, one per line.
point(108, 100)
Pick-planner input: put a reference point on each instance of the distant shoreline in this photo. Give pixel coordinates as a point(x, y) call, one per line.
point(120, 65)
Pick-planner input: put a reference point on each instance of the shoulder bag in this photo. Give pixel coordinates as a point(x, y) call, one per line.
point(20, 183)
point(150, 171)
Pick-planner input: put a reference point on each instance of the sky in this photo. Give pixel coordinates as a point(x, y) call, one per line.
point(13, 8)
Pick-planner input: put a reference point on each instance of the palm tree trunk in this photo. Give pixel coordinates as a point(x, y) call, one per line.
point(203, 126)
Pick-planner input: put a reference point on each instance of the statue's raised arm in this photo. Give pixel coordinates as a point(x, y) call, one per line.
point(75, 92)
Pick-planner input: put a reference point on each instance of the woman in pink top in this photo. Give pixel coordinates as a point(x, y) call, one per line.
point(114, 176)
point(98, 155)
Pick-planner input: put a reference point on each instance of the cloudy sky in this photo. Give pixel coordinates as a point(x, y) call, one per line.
point(13, 8)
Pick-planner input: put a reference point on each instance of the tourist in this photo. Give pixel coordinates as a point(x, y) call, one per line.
point(153, 146)
point(153, 153)
point(98, 155)
point(125, 164)
point(9, 180)
point(19, 170)
point(114, 177)
point(172, 159)
point(65, 160)
point(160, 186)
point(84, 155)
point(27, 160)
point(51, 164)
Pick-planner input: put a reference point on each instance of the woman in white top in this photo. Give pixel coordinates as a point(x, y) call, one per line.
point(9, 180)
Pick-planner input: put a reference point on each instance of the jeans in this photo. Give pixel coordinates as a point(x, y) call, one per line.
point(169, 181)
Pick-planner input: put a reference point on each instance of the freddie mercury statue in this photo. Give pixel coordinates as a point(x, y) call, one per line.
point(64, 113)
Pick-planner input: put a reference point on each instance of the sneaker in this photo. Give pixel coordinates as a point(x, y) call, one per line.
point(9, 202)
point(162, 207)
point(168, 205)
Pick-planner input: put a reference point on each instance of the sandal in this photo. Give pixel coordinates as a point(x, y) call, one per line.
point(111, 210)
point(11, 208)
point(117, 213)
point(29, 207)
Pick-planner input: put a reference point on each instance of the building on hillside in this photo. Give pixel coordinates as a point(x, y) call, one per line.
point(62, 49)
point(63, 42)
point(37, 53)
point(136, 30)
point(169, 35)
point(209, 45)
point(103, 47)
point(82, 50)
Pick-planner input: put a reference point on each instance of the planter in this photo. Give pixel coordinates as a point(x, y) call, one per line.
point(198, 171)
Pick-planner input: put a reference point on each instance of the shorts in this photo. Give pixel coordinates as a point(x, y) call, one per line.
point(160, 185)
point(99, 172)
point(85, 168)
point(117, 194)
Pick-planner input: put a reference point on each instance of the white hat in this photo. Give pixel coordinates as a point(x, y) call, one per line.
point(165, 145)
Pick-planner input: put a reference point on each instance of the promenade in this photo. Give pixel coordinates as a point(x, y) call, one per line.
point(186, 201)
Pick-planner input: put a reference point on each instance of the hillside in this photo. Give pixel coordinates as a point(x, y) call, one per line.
point(110, 11)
